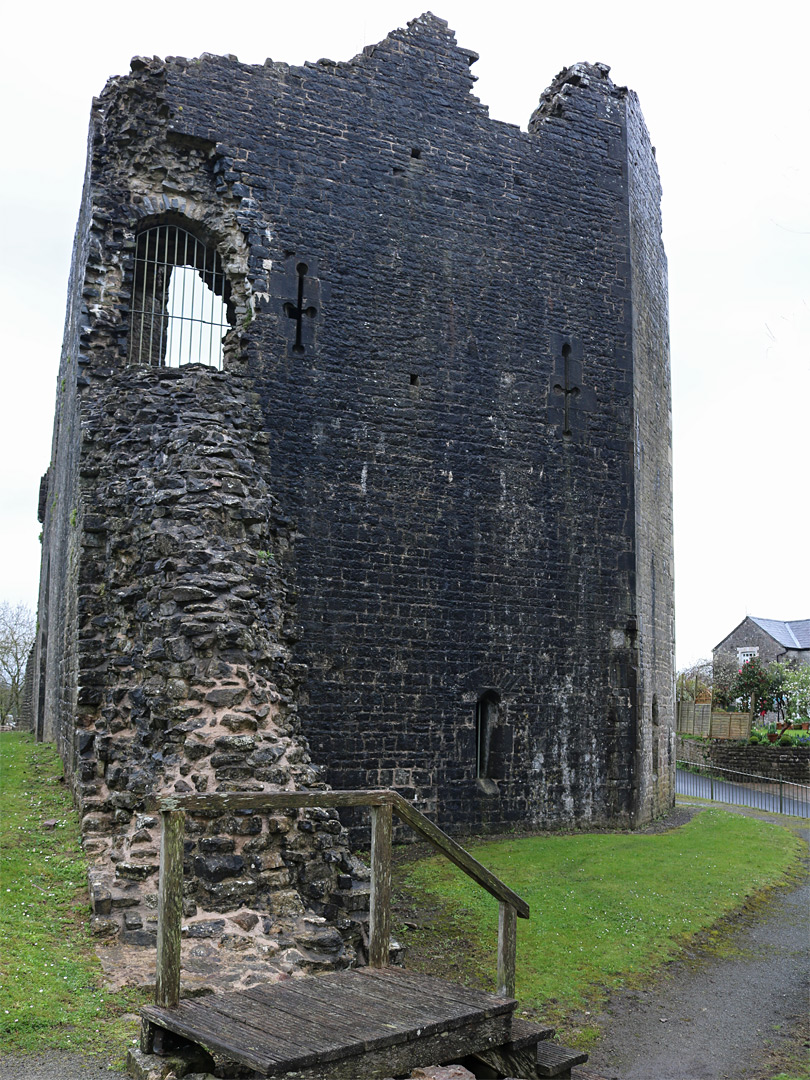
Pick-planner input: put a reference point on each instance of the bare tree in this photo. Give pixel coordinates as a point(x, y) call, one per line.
point(710, 681)
point(695, 682)
point(17, 633)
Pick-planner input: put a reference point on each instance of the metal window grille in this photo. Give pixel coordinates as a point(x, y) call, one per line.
point(179, 301)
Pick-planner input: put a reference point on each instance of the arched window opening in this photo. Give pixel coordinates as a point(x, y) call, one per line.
point(487, 736)
point(181, 306)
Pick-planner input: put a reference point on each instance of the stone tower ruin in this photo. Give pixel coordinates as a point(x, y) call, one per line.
point(361, 469)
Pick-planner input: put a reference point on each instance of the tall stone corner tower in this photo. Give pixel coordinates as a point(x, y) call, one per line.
point(361, 469)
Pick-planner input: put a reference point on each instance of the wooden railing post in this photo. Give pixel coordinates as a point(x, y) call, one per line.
point(382, 804)
point(379, 917)
point(507, 949)
point(170, 908)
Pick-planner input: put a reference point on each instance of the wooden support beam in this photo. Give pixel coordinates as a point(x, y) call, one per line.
point(381, 804)
point(507, 949)
point(379, 917)
point(170, 908)
point(282, 800)
point(456, 854)
point(267, 800)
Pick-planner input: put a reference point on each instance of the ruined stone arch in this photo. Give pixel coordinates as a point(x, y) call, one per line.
point(182, 305)
point(208, 211)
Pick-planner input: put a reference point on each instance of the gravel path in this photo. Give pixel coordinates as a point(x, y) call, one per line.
point(718, 1018)
point(707, 1018)
point(55, 1066)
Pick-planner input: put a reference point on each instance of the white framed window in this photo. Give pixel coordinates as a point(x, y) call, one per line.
point(747, 653)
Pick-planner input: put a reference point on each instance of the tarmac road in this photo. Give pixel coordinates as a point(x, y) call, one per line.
point(788, 799)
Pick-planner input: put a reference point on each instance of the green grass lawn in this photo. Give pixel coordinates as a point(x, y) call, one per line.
point(606, 909)
point(51, 990)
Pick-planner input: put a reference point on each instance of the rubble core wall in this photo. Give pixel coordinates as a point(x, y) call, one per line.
point(186, 678)
point(169, 609)
point(404, 537)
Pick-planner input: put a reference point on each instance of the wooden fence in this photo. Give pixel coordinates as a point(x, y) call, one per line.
point(704, 720)
point(383, 804)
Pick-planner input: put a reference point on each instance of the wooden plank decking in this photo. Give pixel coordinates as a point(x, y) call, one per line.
point(319, 1028)
point(372, 1022)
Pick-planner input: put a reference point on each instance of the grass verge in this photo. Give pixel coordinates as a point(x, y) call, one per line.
point(51, 989)
point(607, 909)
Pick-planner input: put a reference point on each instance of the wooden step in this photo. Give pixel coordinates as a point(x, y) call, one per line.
point(518, 1056)
point(526, 1034)
point(364, 1022)
point(556, 1060)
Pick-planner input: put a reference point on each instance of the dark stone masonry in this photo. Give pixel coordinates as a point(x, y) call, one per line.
point(414, 530)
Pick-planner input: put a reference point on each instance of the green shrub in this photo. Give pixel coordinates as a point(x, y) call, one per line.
point(785, 740)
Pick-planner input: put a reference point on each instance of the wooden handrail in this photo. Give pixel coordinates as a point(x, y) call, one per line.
point(383, 804)
point(220, 802)
point(458, 855)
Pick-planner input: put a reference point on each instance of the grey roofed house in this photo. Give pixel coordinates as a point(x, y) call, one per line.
point(768, 639)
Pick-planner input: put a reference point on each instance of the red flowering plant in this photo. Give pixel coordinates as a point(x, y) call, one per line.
point(757, 681)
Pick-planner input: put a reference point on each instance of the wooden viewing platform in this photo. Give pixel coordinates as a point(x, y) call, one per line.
point(367, 1022)
point(364, 1023)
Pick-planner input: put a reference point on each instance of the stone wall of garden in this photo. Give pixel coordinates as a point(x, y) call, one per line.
point(777, 762)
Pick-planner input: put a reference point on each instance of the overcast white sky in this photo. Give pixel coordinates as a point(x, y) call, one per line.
point(725, 99)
